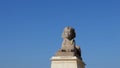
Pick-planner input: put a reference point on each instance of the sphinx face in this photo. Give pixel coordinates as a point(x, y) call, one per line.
point(67, 33)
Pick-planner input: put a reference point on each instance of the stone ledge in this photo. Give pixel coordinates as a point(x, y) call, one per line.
point(64, 58)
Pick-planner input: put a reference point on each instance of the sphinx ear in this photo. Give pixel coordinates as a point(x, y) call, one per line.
point(73, 35)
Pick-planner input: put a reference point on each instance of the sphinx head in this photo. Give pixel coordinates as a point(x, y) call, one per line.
point(68, 33)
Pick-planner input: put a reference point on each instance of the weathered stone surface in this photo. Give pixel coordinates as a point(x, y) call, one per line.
point(65, 54)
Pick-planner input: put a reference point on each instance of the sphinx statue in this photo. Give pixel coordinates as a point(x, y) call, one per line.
point(69, 47)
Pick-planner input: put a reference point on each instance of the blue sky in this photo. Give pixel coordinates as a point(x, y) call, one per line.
point(30, 31)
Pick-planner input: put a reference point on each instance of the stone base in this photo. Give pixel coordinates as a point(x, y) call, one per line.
point(59, 53)
point(66, 62)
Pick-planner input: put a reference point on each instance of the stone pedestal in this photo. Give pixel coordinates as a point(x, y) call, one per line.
point(66, 62)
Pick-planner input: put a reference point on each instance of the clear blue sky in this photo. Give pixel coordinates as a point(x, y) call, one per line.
point(30, 31)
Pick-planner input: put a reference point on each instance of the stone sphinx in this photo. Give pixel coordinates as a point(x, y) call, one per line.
point(69, 47)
